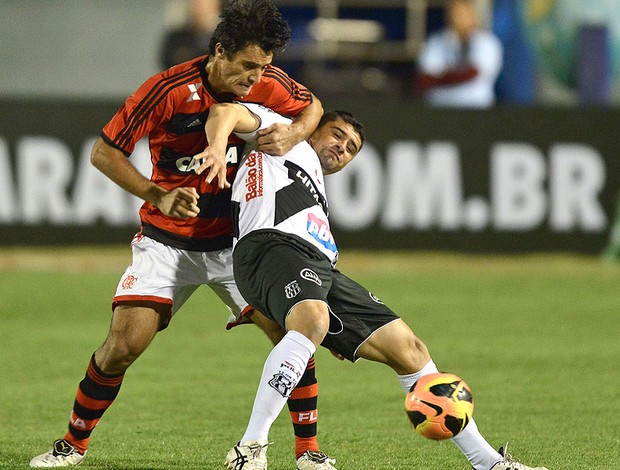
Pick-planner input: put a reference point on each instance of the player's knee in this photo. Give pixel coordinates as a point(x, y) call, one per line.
point(130, 351)
point(310, 319)
point(416, 345)
point(117, 354)
point(408, 355)
point(420, 351)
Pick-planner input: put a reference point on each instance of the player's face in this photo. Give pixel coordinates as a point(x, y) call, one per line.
point(336, 143)
point(239, 73)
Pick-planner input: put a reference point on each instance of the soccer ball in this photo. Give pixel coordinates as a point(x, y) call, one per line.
point(439, 405)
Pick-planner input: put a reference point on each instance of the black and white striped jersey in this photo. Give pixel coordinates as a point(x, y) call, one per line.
point(284, 193)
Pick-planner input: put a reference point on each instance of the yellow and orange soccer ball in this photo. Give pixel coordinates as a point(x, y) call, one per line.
point(439, 405)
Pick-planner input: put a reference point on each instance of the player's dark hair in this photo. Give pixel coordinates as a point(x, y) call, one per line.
point(346, 117)
point(250, 22)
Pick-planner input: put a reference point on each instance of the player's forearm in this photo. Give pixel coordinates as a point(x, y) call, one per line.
point(222, 120)
point(305, 123)
point(113, 163)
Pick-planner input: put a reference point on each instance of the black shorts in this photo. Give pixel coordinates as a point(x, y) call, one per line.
point(275, 271)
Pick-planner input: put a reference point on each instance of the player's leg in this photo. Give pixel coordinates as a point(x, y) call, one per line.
point(371, 330)
point(134, 324)
point(311, 318)
point(143, 304)
point(268, 272)
point(397, 346)
point(132, 329)
point(303, 401)
point(282, 371)
point(273, 331)
point(307, 324)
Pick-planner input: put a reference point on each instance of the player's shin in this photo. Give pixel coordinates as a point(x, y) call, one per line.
point(302, 406)
point(475, 447)
point(471, 443)
point(407, 380)
point(95, 395)
point(283, 369)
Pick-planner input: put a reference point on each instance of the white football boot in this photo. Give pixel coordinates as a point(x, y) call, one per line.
point(63, 454)
point(250, 456)
point(315, 460)
point(509, 463)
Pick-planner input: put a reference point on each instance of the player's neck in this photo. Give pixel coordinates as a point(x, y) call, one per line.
point(216, 84)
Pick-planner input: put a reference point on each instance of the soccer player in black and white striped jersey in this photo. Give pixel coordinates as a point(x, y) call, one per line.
point(284, 264)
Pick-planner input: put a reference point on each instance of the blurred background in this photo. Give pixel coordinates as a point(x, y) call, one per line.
point(532, 165)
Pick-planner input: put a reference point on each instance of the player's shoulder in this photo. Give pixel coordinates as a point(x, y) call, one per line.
point(185, 76)
point(194, 65)
point(275, 73)
point(274, 78)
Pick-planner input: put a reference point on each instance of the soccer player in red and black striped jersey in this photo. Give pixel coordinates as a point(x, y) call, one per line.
point(186, 231)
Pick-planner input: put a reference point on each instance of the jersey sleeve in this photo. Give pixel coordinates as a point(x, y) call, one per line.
point(266, 116)
point(137, 117)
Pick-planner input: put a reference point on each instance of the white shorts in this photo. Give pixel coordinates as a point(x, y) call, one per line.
point(168, 275)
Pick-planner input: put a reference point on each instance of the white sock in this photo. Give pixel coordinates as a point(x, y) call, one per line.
point(406, 381)
point(475, 447)
point(477, 450)
point(282, 371)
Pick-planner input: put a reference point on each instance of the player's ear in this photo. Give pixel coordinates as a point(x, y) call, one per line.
point(220, 51)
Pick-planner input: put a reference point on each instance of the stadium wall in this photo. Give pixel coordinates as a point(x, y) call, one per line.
point(502, 180)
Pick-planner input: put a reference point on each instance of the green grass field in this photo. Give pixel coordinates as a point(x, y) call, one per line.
point(536, 337)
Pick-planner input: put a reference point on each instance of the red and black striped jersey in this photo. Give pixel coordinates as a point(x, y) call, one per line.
point(172, 108)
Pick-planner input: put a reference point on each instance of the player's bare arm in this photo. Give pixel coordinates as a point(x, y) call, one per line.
point(279, 138)
point(179, 202)
point(223, 120)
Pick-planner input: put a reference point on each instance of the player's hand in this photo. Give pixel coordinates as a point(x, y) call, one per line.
point(214, 162)
point(277, 139)
point(337, 355)
point(180, 202)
